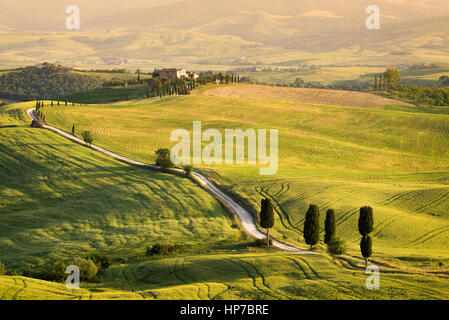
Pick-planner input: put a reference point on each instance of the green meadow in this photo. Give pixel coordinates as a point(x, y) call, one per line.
point(60, 200)
point(241, 275)
point(65, 200)
point(335, 157)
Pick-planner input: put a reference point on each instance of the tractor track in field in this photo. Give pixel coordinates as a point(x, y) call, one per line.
point(279, 210)
point(16, 294)
point(395, 198)
point(228, 287)
point(427, 236)
point(440, 199)
point(143, 291)
point(177, 272)
point(317, 277)
point(246, 219)
point(266, 290)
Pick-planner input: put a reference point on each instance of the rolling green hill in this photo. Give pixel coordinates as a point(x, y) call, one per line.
point(57, 207)
point(86, 202)
point(396, 161)
point(45, 81)
point(270, 276)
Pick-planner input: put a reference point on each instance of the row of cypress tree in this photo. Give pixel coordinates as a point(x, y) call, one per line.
point(312, 226)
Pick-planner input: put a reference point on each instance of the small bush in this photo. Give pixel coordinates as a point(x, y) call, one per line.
point(336, 247)
point(88, 268)
point(102, 261)
point(188, 171)
point(263, 242)
point(163, 249)
point(163, 159)
point(39, 123)
point(87, 137)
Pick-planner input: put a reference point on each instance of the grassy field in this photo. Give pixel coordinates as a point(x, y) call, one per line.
point(56, 207)
point(111, 94)
point(243, 275)
point(326, 157)
point(339, 157)
point(324, 75)
point(315, 96)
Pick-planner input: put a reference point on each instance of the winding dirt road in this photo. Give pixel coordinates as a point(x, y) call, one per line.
point(244, 216)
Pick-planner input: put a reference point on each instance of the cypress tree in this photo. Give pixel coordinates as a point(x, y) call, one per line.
point(73, 130)
point(329, 226)
point(312, 226)
point(376, 83)
point(267, 217)
point(366, 225)
point(366, 248)
point(366, 221)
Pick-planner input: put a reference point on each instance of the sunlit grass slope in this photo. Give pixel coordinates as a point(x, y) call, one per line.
point(339, 157)
point(60, 200)
point(235, 276)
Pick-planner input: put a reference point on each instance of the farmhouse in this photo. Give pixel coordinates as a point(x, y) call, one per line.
point(174, 73)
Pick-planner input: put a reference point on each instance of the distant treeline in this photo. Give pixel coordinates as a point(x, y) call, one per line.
point(428, 96)
point(46, 81)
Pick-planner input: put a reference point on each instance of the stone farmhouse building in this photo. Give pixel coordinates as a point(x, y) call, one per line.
point(174, 73)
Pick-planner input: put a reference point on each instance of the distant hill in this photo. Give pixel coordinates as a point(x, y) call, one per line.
point(46, 81)
point(204, 33)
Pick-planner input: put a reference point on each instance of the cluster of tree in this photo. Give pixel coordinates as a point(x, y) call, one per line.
point(311, 233)
point(46, 81)
point(210, 77)
point(428, 96)
point(169, 87)
point(389, 80)
point(89, 267)
point(163, 249)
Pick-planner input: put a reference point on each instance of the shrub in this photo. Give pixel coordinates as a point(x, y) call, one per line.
point(88, 268)
point(336, 247)
point(263, 242)
point(39, 123)
point(163, 159)
point(163, 249)
point(102, 261)
point(87, 137)
point(188, 171)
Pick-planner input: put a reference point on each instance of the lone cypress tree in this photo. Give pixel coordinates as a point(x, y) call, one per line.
point(366, 224)
point(73, 130)
point(312, 226)
point(366, 248)
point(366, 221)
point(329, 226)
point(267, 217)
